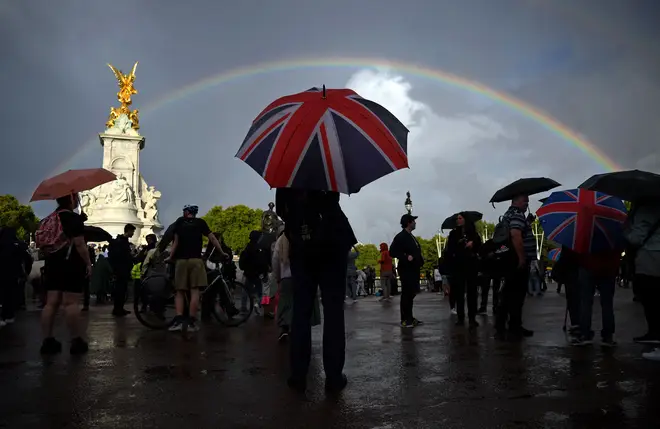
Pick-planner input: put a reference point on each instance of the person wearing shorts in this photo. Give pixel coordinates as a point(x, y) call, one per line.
point(190, 268)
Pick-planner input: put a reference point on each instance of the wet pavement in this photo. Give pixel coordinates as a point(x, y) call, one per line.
point(435, 376)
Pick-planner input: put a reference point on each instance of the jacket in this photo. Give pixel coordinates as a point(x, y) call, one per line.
point(120, 256)
point(458, 258)
point(405, 244)
point(642, 219)
point(351, 268)
point(385, 260)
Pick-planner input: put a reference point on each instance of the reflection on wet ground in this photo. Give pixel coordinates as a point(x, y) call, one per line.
point(435, 376)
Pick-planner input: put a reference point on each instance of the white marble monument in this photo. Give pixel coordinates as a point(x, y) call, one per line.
point(128, 199)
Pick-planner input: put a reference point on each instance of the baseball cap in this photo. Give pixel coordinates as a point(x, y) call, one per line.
point(406, 219)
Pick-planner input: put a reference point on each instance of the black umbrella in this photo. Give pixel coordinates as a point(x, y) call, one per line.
point(631, 185)
point(95, 234)
point(527, 186)
point(450, 222)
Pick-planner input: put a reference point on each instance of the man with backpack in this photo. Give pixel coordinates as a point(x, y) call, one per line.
point(67, 269)
point(121, 259)
point(517, 248)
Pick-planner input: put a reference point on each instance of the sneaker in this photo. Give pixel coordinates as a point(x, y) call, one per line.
point(177, 325)
point(453, 311)
point(654, 355)
point(405, 324)
point(608, 342)
point(580, 341)
point(647, 339)
point(192, 325)
point(417, 322)
point(50, 346)
point(120, 313)
point(78, 346)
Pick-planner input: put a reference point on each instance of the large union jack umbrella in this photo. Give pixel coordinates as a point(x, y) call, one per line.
point(582, 220)
point(553, 255)
point(320, 139)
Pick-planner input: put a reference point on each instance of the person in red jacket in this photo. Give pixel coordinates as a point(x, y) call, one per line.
point(385, 262)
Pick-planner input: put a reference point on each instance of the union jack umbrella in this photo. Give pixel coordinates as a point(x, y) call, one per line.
point(582, 220)
point(330, 140)
point(553, 255)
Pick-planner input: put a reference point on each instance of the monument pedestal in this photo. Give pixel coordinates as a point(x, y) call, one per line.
point(128, 199)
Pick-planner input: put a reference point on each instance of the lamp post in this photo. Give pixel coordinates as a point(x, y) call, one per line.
point(408, 204)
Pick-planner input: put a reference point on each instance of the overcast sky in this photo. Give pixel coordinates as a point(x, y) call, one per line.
point(593, 65)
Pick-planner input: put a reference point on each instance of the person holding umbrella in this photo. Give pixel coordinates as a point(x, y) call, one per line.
point(461, 253)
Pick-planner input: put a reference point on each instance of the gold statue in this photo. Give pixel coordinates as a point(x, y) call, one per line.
point(126, 90)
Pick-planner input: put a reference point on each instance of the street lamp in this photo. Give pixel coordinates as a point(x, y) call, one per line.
point(408, 203)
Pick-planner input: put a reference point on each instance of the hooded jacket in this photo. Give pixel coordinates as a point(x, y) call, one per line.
point(385, 260)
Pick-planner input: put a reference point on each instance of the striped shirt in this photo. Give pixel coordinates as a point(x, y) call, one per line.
point(517, 220)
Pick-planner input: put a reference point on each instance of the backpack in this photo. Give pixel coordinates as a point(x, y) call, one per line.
point(50, 236)
point(253, 260)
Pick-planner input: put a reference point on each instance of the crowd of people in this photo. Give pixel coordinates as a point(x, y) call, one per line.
point(314, 250)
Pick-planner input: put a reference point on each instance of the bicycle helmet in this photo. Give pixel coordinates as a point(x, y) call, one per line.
point(191, 209)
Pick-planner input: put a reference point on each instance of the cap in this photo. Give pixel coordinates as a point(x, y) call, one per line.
point(406, 219)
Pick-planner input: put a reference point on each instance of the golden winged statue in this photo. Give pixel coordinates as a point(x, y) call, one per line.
point(126, 90)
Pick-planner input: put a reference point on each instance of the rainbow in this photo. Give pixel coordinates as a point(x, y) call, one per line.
point(554, 126)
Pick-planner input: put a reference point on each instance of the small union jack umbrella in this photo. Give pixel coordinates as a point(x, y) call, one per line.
point(331, 140)
point(553, 255)
point(582, 220)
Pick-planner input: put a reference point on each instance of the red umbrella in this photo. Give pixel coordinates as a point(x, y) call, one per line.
point(72, 182)
point(322, 139)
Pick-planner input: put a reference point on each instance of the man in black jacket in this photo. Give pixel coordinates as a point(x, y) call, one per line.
point(121, 259)
point(407, 250)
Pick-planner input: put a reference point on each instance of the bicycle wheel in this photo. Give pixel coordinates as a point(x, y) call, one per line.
point(152, 311)
point(237, 307)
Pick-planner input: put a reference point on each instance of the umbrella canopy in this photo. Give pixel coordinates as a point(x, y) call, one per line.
point(527, 186)
point(330, 140)
point(631, 185)
point(71, 182)
point(450, 222)
point(583, 220)
point(95, 234)
point(553, 255)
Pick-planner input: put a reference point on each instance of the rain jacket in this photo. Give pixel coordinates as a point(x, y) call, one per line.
point(642, 220)
point(385, 260)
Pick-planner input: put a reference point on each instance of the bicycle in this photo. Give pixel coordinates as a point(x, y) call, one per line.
point(158, 313)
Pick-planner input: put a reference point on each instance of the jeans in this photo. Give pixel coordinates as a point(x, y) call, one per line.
point(512, 299)
point(534, 284)
point(255, 286)
point(386, 283)
point(648, 288)
point(465, 283)
point(587, 284)
point(308, 274)
point(409, 288)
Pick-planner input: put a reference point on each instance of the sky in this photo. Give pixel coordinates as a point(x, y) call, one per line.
point(592, 65)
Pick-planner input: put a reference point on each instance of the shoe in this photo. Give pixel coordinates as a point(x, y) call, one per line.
point(482, 311)
point(654, 355)
point(50, 346)
point(297, 384)
point(581, 341)
point(177, 325)
point(405, 324)
point(417, 322)
point(460, 322)
point(336, 386)
point(647, 339)
point(474, 324)
point(608, 342)
point(192, 325)
point(354, 301)
point(453, 311)
point(9, 321)
point(78, 346)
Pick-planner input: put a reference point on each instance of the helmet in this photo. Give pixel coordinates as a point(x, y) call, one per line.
point(191, 209)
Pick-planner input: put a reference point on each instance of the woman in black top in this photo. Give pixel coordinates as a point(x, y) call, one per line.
point(462, 262)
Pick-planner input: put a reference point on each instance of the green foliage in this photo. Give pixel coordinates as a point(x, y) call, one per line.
point(17, 215)
point(485, 228)
point(235, 223)
point(429, 253)
point(369, 255)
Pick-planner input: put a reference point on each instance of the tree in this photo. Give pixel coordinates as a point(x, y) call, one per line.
point(234, 223)
point(485, 229)
point(17, 215)
point(429, 253)
point(369, 255)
